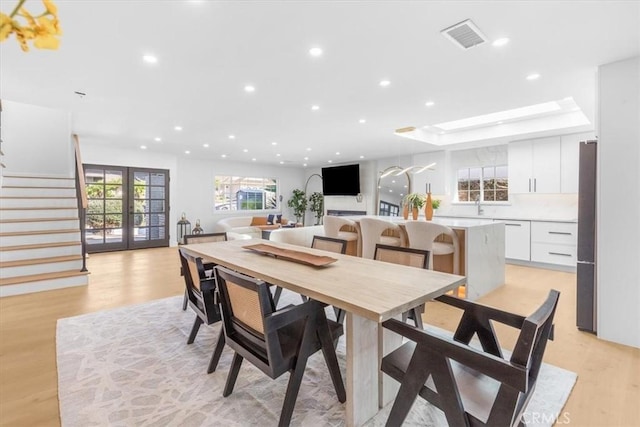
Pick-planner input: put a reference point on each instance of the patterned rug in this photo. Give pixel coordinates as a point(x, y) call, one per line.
point(131, 366)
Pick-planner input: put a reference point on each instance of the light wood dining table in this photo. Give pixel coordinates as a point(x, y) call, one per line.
point(369, 291)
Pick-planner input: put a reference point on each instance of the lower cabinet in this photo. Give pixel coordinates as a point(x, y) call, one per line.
point(554, 242)
point(517, 243)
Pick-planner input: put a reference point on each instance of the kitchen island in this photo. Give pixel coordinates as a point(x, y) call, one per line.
point(482, 260)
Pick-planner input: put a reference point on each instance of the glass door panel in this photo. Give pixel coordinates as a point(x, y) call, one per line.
point(149, 213)
point(105, 219)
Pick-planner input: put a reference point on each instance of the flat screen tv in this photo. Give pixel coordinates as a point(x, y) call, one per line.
point(341, 180)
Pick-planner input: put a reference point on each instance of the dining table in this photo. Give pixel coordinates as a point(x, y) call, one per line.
point(369, 291)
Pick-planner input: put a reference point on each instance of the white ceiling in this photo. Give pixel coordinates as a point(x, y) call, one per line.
point(209, 50)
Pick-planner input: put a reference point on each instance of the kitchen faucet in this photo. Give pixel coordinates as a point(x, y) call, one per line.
point(480, 210)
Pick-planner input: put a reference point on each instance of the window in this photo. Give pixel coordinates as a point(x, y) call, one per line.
point(239, 193)
point(388, 209)
point(488, 184)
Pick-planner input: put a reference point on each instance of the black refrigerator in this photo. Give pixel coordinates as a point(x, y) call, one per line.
point(586, 269)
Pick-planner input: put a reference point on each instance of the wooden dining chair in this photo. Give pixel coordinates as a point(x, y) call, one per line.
point(330, 244)
point(472, 386)
point(200, 293)
point(274, 341)
point(409, 257)
point(208, 267)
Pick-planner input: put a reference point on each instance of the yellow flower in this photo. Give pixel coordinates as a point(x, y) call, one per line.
point(51, 8)
point(6, 26)
point(42, 29)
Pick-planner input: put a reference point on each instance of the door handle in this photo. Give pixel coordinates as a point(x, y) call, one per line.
point(535, 181)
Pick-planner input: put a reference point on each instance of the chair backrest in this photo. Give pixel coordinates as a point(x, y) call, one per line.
point(200, 289)
point(329, 244)
point(404, 256)
point(205, 238)
point(536, 330)
point(421, 235)
point(371, 231)
point(332, 224)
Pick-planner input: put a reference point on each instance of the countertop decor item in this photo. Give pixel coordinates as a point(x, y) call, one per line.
point(291, 255)
point(428, 208)
point(415, 201)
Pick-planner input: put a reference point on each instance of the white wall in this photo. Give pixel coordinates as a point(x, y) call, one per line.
point(618, 246)
point(36, 141)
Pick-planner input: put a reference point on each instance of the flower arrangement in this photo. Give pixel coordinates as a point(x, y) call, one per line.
point(42, 29)
point(414, 200)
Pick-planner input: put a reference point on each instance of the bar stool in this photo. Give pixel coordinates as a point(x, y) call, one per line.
point(332, 228)
point(374, 231)
point(422, 235)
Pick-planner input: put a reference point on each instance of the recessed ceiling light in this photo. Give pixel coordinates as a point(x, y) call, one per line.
point(150, 59)
point(205, 145)
point(274, 143)
point(384, 83)
point(306, 158)
point(304, 164)
point(330, 161)
point(308, 148)
point(337, 153)
point(500, 42)
point(278, 155)
point(315, 51)
point(534, 76)
point(362, 157)
point(157, 139)
point(429, 103)
point(143, 147)
point(253, 160)
point(223, 155)
point(249, 88)
point(178, 128)
point(232, 137)
point(281, 162)
point(499, 123)
point(245, 150)
point(187, 152)
point(315, 107)
point(362, 121)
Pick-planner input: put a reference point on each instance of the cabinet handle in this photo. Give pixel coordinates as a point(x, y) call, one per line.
point(535, 181)
point(513, 225)
point(558, 253)
point(564, 233)
point(529, 185)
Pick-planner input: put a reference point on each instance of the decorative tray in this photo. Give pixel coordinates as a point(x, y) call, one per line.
point(291, 255)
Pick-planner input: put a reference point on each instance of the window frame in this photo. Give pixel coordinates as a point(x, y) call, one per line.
point(482, 178)
point(245, 182)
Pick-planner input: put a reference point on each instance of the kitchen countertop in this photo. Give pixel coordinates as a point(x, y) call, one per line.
point(508, 217)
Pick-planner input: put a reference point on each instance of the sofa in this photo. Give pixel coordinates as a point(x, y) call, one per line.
point(251, 226)
point(300, 236)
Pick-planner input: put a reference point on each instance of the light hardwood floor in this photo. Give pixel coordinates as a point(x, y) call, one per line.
point(607, 392)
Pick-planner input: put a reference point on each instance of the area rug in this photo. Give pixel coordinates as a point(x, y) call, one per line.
point(131, 366)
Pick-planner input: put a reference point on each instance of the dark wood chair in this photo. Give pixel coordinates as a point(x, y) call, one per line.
point(472, 386)
point(208, 267)
point(410, 257)
point(200, 292)
point(275, 341)
point(330, 244)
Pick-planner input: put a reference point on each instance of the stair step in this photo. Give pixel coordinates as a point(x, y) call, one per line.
point(43, 282)
point(9, 221)
point(42, 236)
point(41, 267)
point(39, 187)
point(33, 226)
point(38, 202)
point(34, 261)
point(37, 181)
point(37, 246)
point(38, 192)
point(31, 233)
point(34, 197)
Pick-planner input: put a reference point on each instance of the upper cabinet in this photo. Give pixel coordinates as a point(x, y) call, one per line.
point(534, 166)
point(545, 165)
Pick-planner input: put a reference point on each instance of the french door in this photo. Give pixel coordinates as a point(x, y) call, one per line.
point(128, 208)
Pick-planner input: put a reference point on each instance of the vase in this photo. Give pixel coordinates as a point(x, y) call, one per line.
point(428, 208)
point(405, 211)
point(414, 213)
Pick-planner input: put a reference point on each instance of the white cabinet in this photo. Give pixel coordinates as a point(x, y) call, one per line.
point(534, 166)
point(517, 239)
point(554, 242)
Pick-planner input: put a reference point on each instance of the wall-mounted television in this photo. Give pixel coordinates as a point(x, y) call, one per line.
point(341, 180)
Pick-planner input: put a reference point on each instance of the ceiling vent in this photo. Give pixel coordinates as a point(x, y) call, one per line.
point(464, 34)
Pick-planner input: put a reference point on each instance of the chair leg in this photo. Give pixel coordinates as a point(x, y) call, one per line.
point(233, 375)
point(215, 357)
point(415, 377)
point(194, 330)
point(330, 358)
point(276, 295)
point(185, 301)
point(295, 379)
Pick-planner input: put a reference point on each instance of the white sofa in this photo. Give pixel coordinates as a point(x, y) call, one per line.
point(300, 236)
point(242, 225)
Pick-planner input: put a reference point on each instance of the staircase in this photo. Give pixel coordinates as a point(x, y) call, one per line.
point(40, 247)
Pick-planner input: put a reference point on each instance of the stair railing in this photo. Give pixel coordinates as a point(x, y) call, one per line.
point(81, 195)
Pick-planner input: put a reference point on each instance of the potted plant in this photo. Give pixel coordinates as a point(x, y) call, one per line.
point(435, 203)
point(298, 202)
point(317, 206)
point(414, 201)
